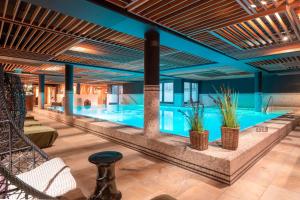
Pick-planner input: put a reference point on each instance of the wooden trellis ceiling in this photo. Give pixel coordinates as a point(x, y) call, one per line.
point(213, 74)
point(55, 73)
point(32, 32)
point(279, 64)
point(193, 16)
point(261, 32)
point(103, 54)
point(230, 26)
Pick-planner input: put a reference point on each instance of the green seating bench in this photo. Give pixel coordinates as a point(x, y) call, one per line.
point(42, 136)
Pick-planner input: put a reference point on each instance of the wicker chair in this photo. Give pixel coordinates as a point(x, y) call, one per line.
point(19, 157)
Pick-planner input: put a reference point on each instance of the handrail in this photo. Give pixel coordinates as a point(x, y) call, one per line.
point(268, 104)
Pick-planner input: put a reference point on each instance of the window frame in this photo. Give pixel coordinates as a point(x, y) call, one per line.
point(162, 92)
point(191, 91)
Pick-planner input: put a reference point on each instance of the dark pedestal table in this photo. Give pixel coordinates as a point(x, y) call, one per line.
point(106, 188)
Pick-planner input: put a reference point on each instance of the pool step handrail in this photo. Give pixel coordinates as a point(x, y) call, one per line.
point(270, 100)
point(131, 99)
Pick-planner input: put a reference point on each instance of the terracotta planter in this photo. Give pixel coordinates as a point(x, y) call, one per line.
point(198, 140)
point(230, 138)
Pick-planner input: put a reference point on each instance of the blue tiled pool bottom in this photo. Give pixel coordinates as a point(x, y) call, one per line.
point(171, 121)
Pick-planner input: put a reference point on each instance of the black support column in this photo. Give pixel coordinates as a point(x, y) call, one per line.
point(41, 97)
point(258, 92)
point(68, 103)
point(151, 84)
point(78, 88)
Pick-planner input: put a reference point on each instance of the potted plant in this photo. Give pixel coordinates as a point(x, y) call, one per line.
point(227, 101)
point(194, 117)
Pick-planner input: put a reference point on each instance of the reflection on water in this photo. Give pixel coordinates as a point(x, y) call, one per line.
point(171, 121)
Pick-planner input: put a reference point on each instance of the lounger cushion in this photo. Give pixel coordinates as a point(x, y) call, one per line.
point(42, 136)
point(32, 123)
point(40, 177)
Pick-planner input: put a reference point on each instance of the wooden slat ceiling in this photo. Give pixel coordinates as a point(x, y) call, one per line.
point(100, 54)
point(55, 73)
point(229, 26)
point(213, 74)
point(32, 32)
point(285, 63)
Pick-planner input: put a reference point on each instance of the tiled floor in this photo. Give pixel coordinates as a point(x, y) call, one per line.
point(139, 177)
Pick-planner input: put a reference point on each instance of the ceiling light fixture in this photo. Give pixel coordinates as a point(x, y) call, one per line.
point(85, 50)
point(285, 38)
point(263, 2)
point(253, 6)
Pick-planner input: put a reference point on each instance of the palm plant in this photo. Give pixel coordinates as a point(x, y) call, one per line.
point(194, 117)
point(227, 101)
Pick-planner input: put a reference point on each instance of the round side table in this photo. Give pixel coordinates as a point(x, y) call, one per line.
point(106, 188)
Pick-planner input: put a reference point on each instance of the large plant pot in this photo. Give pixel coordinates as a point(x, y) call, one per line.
point(230, 138)
point(198, 140)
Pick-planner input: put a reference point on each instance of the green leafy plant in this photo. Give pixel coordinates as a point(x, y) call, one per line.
point(227, 101)
point(194, 116)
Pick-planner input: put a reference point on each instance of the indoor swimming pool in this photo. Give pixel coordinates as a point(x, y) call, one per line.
point(171, 121)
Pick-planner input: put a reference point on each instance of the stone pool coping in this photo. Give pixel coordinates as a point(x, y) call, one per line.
point(216, 163)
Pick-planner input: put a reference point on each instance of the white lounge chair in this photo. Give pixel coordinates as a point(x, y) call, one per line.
point(25, 170)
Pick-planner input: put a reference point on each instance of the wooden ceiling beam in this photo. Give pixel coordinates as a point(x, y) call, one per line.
point(3, 15)
point(259, 31)
point(184, 13)
point(246, 8)
point(38, 43)
point(275, 51)
point(15, 36)
point(246, 35)
point(293, 21)
point(266, 28)
point(230, 38)
point(240, 38)
point(279, 19)
point(46, 43)
point(171, 10)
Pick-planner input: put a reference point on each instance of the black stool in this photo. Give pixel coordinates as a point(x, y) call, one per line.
point(106, 188)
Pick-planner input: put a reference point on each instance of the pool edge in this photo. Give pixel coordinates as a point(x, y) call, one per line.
point(218, 164)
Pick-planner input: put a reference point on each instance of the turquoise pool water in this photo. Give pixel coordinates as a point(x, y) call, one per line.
point(171, 121)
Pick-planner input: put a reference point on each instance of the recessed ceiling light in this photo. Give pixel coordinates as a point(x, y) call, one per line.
point(85, 50)
point(253, 6)
point(285, 38)
point(263, 2)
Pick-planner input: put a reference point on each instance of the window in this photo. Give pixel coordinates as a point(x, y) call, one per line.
point(166, 94)
point(190, 91)
point(187, 93)
point(195, 92)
